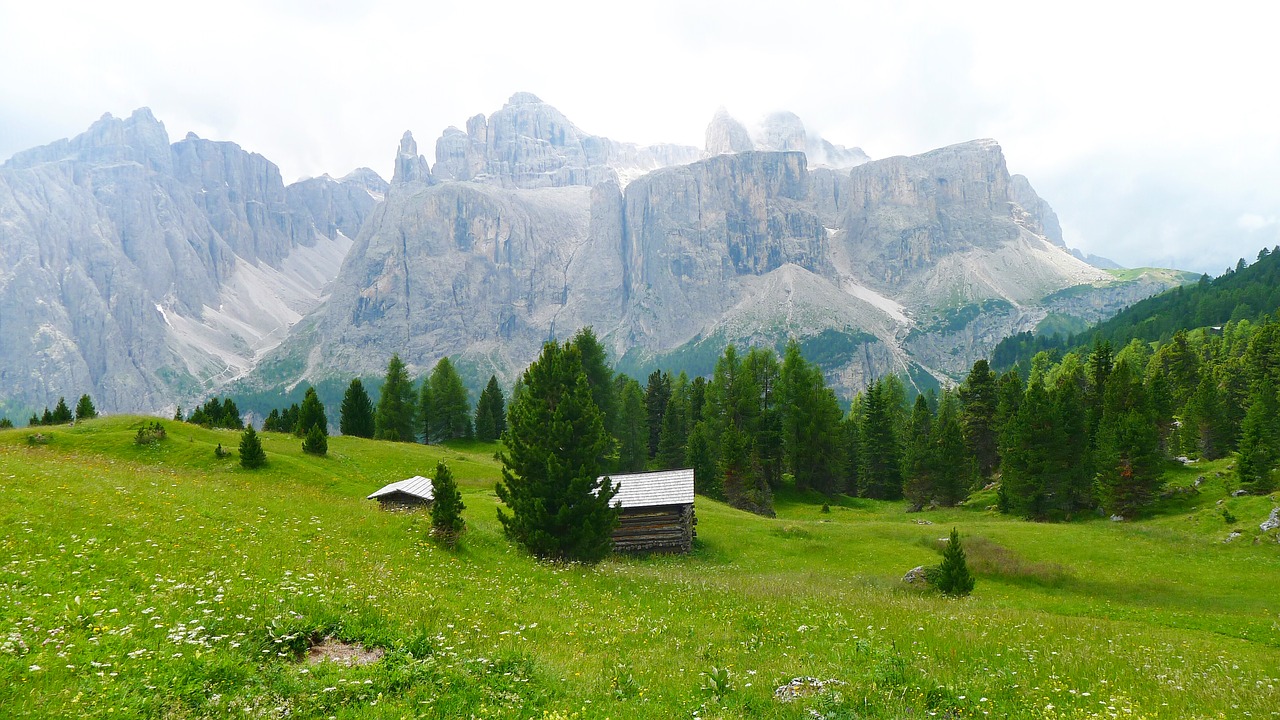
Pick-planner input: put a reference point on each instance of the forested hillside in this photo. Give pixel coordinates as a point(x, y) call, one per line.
point(1245, 292)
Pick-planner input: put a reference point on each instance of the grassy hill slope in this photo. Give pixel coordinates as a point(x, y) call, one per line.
point(161, 582)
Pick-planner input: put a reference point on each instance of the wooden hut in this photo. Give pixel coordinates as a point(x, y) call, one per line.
point(407, 494)
point(657, 512)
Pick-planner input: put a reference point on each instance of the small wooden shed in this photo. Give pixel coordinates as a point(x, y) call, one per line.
point(413, 492)
point(657, 512)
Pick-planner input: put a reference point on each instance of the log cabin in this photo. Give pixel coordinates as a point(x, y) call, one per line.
point(656, 512)
point(407, 494)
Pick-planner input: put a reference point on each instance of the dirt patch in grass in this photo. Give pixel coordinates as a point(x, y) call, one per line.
point(342, 652)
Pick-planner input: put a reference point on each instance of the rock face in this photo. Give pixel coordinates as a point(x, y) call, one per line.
point(868, 268)
point(144, 273)
point(778, 132)
point(1040, 218)
point(530, 144)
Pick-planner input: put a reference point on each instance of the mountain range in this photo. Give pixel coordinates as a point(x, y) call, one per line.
point(149, 273)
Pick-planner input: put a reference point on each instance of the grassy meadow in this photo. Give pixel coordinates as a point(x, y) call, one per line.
point(160, 581)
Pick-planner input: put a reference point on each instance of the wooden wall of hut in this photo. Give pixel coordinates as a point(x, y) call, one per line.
point(656, 529)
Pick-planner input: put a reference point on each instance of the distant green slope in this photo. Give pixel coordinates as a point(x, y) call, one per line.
point(1246, 293)
point(159, 581)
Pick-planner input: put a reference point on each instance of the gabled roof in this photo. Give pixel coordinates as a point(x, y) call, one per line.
point(416, 486)
point(668, 487)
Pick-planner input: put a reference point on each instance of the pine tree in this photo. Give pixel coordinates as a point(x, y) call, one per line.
point(426, 424)
point(952, 577)
point(395, 415)
point(316, 442)
point(450, 406)
point(230, 416)
point(272, 423)
point(633, 429)
point(85, 408)
point(555, 448)
point(1025, 463)
point(62, 413)
point(5, 423)
point(810, 424)
point(47, 418)
point(35, 420)
point(355, 417)
point(446, 507)
point(251, 453)
point(491, 412)
point(311, 414)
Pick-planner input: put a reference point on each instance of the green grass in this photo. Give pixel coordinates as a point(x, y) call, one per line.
point(155, 582)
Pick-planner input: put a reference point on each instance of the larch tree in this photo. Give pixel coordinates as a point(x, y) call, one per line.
point(85, 408)
point(633, 428)
point(450, 404)
point(491, 412)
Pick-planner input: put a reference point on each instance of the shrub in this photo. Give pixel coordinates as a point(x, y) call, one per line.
point(315, 443)
point(150, 434)
point(952, 577)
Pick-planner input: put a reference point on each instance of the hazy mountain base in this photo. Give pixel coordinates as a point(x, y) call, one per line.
point(159, 581)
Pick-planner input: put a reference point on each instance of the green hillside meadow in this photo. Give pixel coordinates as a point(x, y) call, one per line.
point(159, 581)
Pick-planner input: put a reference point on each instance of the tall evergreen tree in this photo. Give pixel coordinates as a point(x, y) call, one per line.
point(1027, 470)
point(766, 436)
point(656, 397)
point(446, 506)
point(47, 418)
point(811, 431)
point(919, 460)
point(673, 439)
point(424, 412)
point(1259, 447)
point(953, 467)
point(251, 453)
point(978, 417)
point(356, 417)
point(396, 404)
point(700, 456)
point(491, 412)
point(880, 454)
point(450, 405)
point(733, 412)
point(633, 429)
point(595, 364)
point(85, 408)
point(554, 452)
point(1128, 443)
point(311, 414)
point(61, 413)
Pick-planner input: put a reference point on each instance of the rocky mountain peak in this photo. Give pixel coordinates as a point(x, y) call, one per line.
point(524, 98)
point(784, 131)
point(727, 135)
point(410, 166)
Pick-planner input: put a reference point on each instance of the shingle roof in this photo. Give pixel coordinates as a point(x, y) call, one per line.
point(668, 487)
point(416, 486)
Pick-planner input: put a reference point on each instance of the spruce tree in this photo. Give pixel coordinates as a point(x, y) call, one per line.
point(450, 405)
point(62, 413)
point(395, 415)
point(953, 468)
point(316, 442)
point(34, 421)
point(952, 577)
point(1258, 448)
point(251, 453)
point(978, 417)
point(1128, 443)
point(229, 417)
point(918, 458)
point(311, 414)
point(879, 471)
point(555, 448)
point(356, 413)
point(700, 456)
point(633, 429)
point(595, 365)
point(810, 424)
point(47, 418)
point(85, 408)
point(491, 412)
point(673, 439)
point(5, 423)
point(657, 395)
point(272, 423)
point(426, 426)
point(446, 507)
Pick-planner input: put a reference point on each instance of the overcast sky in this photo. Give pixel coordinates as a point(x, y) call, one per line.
point(1153, 133)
